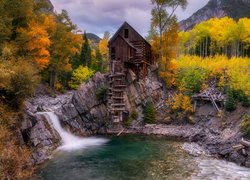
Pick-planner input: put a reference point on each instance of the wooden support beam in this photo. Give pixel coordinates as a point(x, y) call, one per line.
point(214, 103)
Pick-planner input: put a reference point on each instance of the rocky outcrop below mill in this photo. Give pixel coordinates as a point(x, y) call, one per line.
point(81, 112)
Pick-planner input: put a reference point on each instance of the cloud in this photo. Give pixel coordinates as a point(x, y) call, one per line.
point(97, 16)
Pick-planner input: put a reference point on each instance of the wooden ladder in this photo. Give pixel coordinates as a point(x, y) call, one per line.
point(116, 104)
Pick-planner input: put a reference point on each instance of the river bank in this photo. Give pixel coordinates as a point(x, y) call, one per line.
point(217, 136)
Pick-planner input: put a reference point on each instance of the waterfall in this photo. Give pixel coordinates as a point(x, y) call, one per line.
point(69, 141)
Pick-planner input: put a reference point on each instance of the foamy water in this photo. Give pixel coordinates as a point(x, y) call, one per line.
point(71, 142)
point(220, 170)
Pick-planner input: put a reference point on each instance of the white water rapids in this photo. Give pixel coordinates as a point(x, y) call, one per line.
point(69, 141)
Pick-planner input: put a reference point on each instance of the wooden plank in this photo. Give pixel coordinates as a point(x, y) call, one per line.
point(117, 97)
point(121, 104)
point(118, 109)
point(214, 103)
point(119, 86)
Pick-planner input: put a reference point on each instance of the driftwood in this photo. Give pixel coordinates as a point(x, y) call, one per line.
point(238, 147)
point(120, 132)
point(245, 143)
point(194, 106)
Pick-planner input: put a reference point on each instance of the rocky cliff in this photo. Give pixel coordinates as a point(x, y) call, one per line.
point(218, 8)
point(46, 4)
point(81, 113)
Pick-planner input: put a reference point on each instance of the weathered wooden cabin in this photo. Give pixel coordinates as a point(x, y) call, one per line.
point(127, 50)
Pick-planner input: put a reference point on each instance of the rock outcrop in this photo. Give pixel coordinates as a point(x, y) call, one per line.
point(40, 135)
point(81, 113)
point(216, 9)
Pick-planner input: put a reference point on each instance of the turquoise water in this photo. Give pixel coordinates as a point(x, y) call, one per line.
point(127, 157)
point(138, 157)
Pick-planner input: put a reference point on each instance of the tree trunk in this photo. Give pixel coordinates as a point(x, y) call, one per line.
point(52, 76)
point(238, 48)
point(206, 46)
point(200, 49)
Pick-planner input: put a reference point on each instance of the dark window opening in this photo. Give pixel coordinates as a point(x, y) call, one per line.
point(113, 53)
point(125, 33)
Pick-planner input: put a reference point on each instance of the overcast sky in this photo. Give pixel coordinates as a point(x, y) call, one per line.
point(97, 16)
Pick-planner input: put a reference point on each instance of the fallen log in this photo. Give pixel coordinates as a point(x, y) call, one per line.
point(238, 147)
point(245, 143)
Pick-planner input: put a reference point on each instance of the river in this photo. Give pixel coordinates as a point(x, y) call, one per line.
point(137, 157)
point(132, 157)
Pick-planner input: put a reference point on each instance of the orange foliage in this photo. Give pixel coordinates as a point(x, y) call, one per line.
point(180, 102)
point(167, 47)
point(37, 41)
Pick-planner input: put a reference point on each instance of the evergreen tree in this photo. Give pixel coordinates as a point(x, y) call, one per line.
point(86, 51)
point(149, 113)
point(97, 61)
point(231, 103)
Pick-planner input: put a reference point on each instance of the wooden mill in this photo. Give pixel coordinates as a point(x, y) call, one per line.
point(127, 50)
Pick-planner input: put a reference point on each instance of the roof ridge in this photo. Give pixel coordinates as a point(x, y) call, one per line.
point(117, 33)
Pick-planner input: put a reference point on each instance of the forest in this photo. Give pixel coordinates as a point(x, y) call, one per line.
point(40, 48)
point(223, 36)
point(37, 47)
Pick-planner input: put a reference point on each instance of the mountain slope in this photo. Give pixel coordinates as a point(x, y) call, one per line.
point(218, 8)
point(93, 37)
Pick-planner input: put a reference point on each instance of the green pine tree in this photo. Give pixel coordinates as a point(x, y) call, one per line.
point(231, 102)
point(149, 113)
point(86, 51)
point(99, 60)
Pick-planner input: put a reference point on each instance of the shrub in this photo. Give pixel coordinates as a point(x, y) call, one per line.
point(245, 125)
point(59, 87)
point(241, 97)
point(191, 79)
point(128, 122)
point(149, 113)
point(181, 106)
point(101, 94)
point(21, 81)
point(80, 75)
point(180, 102)
point(245, 101)
point(134, 114)
point(230, 104)
point(14, 158)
